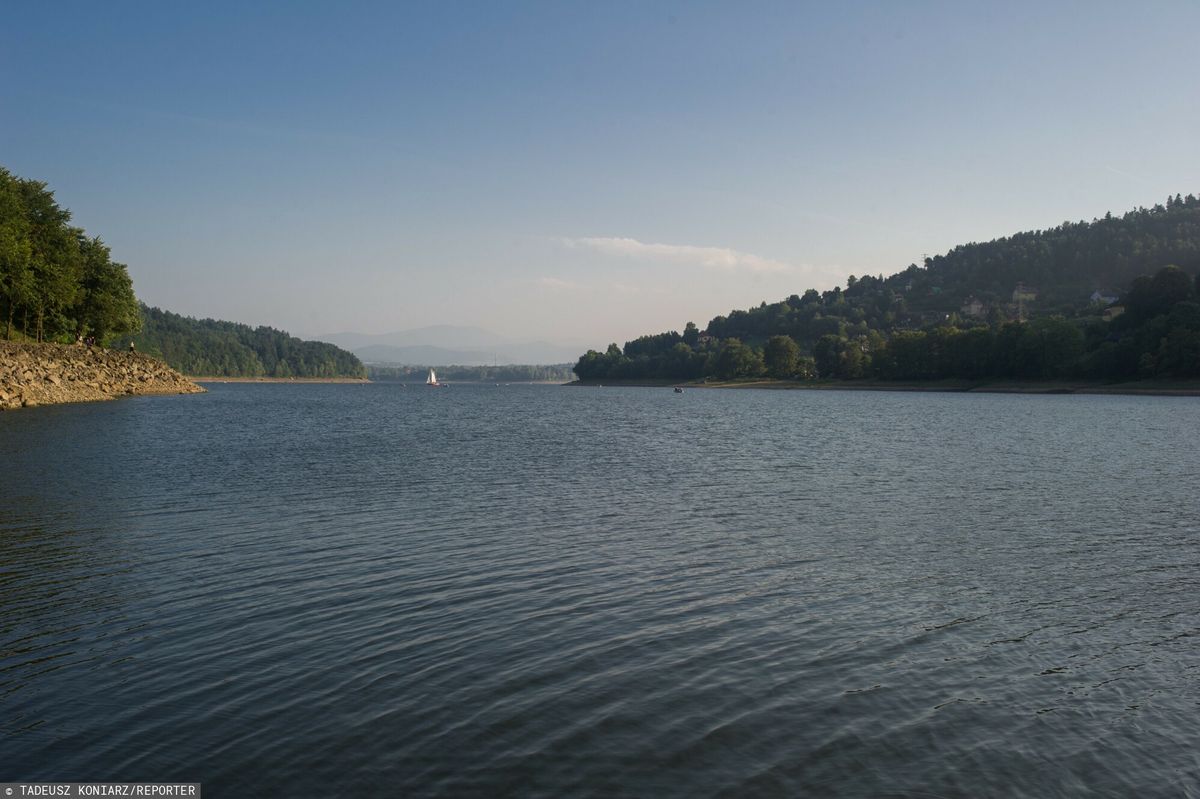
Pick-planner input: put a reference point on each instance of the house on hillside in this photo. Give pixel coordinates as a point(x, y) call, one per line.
point(1112, 312)
point(1104, 297)
point(973, 308)
point(1023, 293)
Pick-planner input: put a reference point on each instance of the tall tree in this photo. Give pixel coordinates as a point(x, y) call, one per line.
point(54, 259)
point(16, 274)
point(827, 353)
point(107, 305)
point(735, 359)
point(781, 356)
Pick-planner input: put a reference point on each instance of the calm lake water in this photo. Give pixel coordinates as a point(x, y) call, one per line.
point(543, 591)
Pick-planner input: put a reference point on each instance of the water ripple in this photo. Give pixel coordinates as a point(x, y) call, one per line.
point(544, 592)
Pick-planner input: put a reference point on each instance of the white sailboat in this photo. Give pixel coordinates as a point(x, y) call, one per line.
point(432, 380)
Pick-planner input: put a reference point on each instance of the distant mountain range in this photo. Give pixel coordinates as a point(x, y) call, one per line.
point(446, 345)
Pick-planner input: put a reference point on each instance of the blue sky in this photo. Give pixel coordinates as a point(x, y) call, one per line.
point(580, 172)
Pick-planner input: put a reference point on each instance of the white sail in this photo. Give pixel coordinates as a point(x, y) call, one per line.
point(432, 379)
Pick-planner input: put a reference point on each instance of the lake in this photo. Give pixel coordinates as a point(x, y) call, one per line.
point(540, 591)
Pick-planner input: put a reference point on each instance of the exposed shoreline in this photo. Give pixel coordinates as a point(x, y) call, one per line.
point(1135, 388)
point(54, 374)
point(45, 374)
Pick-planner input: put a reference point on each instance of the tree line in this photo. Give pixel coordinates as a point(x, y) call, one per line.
point(208, 347)
point(56, 282)
point(1030, 306)
point(511, 373)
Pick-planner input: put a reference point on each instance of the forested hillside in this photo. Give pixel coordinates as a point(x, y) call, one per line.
point(207, 347)
point(56, 282)
point(1040, 304)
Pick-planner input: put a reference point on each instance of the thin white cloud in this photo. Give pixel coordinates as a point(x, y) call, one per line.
point(625, 288)
point(720, 258)
point(1116, 171)
point(558, 284)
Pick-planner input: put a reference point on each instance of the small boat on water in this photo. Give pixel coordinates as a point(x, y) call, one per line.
point(678, 389)
point(432, 380)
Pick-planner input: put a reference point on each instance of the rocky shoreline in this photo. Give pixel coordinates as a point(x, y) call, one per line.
point(45, 374)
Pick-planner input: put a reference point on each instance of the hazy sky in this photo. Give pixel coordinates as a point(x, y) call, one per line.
point(580, 171)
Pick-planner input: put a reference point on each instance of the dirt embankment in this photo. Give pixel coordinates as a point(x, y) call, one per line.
point(43, 374)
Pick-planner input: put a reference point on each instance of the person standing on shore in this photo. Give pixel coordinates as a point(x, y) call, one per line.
point(131, 348)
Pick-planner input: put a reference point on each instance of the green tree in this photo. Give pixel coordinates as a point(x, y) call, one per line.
point(1151, 296)
point(903, 356)
point(734, 359)
point(1048, 348)
point(827, 355)
point(781, 357)
point(591, 366)
point(1171, 285)
point(16, 275)
point(54, 259)
point(107, 305)
point(615, 360)
point(682, 363)
point(1179, 353)
point(853, 361)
